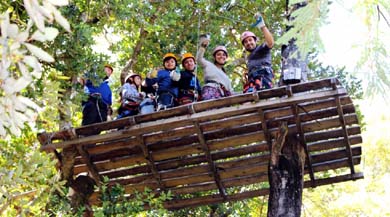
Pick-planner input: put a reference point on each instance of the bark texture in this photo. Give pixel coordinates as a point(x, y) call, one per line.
point(286, 171)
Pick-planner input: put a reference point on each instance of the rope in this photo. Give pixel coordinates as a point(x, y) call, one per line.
point(196, 56)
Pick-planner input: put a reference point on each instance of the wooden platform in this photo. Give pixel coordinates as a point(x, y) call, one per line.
point(216, 151)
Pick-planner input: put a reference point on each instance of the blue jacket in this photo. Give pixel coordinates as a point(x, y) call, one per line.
point(165, 83)
point(104, 90)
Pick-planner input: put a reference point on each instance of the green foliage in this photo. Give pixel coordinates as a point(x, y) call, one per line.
point(28, 176)
point(115, 202)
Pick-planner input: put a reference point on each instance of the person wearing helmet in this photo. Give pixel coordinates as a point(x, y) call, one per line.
point(130, 97)
point(189, 86)
point(216, 82)
point(165, 82)
point(98, 106)
point(260, 74)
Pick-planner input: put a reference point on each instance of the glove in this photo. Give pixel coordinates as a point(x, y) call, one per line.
point(175, 74)
point(142, 95)
point(259, 21)
point(204, 40)
point(152, 73)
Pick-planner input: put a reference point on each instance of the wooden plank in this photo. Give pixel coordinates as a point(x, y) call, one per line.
point(189, 161)
point(169, 143)
point(113, 164)
point(230, 142)
point(180, 142)
point(229, 183)
point(222, 166)
point(330, 134)
point(336, 179)
point(319, 167)
point(213, 199)
point(334, 143)
point(244, 170)
point(245, 139)
point(336, 154)
point(335, 164)
point(112, 145)
point(180, 121)
point(196, 178)
point(210, 162)
point(306, 107)
point(329, 123)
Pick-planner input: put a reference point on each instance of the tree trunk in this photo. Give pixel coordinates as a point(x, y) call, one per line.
point(285, 173)
point(81, 189)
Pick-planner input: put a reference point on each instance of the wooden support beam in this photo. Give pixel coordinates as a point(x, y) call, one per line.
point(265, 128)
point(91, 167)
point(345, 133)
point(289, 91)
point(302, 141)
point(212, 167)
point(150, 161)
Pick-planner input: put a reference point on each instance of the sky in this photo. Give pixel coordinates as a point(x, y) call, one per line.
point(343, 36)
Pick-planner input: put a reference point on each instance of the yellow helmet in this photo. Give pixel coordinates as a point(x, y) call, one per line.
point(169, 55)
point(108, 66)
point(186, 56)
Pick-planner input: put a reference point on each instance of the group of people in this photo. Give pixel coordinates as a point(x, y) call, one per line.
point(170, 86)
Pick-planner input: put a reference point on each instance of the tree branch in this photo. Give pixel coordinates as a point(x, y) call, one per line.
point(137, 49)
point(277, 145)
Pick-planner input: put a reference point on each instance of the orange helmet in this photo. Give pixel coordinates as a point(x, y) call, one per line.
point(220, 48)
point(247, 34)
point(186, 56)
point(169, 55)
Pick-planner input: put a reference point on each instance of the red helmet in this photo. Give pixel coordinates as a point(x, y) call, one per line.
point(220, 48)
point(247, 34)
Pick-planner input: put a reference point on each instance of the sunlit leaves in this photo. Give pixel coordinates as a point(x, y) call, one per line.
point(19, 61)
point(47, 12)
point(306, 22)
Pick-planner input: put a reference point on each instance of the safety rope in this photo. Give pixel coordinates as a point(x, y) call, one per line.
point(196, 56)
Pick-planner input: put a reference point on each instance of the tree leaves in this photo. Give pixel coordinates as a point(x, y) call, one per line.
point(38, 52)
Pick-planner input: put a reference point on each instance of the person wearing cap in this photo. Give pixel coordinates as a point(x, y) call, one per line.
point(98, 106)
point(189, 86)
point(165, 82)
point(260, 74)
point(130, 96)
point(217, 84)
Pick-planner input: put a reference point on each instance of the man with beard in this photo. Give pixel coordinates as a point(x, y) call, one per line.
point(260, 74)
